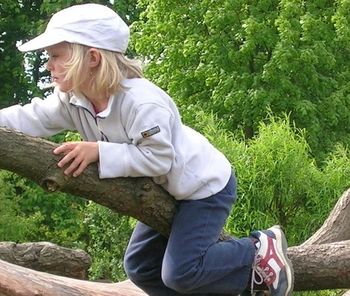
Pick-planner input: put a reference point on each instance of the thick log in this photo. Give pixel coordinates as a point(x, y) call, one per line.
point(48, 257)
point(19, 281)
point(318, 267)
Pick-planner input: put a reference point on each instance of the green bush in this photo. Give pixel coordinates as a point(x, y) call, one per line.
point(36, 215)
point(278, 178)
point(14, 225)
point(107, 236)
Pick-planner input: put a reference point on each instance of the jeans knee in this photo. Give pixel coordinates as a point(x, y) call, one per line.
point(131, 269)
point(128, 267)
point(179, 281)
point(139, 271)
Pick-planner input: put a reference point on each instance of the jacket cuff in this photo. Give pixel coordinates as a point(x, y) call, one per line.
point(112, 160)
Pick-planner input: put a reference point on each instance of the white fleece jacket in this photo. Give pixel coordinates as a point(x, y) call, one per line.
point(139, 134)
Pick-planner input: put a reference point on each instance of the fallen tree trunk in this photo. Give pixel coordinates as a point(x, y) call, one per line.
point(19, 281)
point(48, 257)
point(317, 266)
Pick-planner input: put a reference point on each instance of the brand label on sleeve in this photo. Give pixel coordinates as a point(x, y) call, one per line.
point(151, 132)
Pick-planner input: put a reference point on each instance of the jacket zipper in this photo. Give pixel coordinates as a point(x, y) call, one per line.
point(104, 138)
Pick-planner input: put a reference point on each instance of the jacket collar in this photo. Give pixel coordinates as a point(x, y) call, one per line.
point(83, 102)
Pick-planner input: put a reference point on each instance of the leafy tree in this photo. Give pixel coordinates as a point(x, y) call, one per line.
point(17, 20)
point(243, 58)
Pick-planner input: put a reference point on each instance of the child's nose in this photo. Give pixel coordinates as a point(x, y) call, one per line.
point(49, 65)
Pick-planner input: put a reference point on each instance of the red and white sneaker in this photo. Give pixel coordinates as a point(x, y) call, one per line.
point(271, 265)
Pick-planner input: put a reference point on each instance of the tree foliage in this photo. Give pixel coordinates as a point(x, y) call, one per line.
point(16, 23)
point(279, 182)
point(243, 58)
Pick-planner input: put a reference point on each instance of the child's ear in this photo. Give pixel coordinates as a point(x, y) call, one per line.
point(94, 57)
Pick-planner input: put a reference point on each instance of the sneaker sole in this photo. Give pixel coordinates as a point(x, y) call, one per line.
point(282, 246)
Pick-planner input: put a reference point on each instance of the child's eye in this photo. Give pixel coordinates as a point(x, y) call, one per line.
point(52, 55)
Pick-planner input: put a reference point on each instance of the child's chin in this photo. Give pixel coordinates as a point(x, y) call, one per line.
point(63, 89)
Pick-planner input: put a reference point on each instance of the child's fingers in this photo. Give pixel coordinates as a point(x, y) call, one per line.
point(80, 169)
point(72, 166)
point(66, 159)
point(65, 148)
point(77, 156)
point(76, 167)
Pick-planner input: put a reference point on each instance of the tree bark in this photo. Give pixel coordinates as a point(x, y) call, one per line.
point(48, 257)
point(319, 267)
point(19, 281)
point(323, 262)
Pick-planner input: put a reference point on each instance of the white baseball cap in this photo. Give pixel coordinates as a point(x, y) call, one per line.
point(91, 24)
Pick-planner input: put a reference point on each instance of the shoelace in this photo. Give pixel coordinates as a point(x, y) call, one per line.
point(265, 274)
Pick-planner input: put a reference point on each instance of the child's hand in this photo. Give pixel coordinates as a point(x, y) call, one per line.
point(78, 155)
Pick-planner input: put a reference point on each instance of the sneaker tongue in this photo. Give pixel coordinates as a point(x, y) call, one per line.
point(257, 245)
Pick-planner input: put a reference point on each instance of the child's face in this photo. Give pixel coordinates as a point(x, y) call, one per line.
point(59, 55)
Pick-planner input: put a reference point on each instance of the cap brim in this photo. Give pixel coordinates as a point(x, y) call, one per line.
point(42, 41)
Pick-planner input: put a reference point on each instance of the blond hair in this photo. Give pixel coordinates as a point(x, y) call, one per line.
point(114, 67)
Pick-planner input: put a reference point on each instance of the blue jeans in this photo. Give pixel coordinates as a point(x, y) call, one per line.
point(192, 260)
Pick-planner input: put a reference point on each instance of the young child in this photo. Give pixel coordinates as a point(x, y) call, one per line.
point(132, 128)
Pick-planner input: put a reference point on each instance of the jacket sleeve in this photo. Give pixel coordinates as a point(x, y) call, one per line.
point(39, 118)
point(150, 152)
